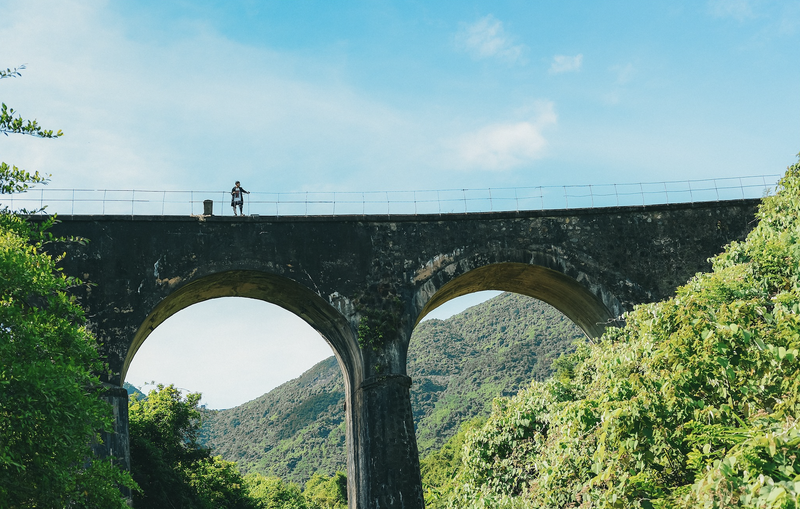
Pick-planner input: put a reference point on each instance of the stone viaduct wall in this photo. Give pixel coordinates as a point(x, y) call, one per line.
point(377, 276)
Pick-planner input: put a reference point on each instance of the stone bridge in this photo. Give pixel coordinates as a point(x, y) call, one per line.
point(365, 282)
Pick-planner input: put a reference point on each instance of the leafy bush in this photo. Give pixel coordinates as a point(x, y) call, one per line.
point(327, 492)
point(274, 493)
point(694, 403)
point(320, 492)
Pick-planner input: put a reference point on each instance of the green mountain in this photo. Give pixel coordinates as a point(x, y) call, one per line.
point(458, 366)
point(133, 391)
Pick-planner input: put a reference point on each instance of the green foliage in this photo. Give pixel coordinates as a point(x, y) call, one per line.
point(168, 463)
point(380, 319)
point(326, 493)
point(440, 467)
point(218, 484)
point(320, 492)
point(273, 493)
point(11, 73)
point(694, 403)
point(12, 123)
point(49, 409)
point(13, 179)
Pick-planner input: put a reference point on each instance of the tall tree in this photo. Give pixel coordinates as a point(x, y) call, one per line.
point(169, 464)
point(49, 405)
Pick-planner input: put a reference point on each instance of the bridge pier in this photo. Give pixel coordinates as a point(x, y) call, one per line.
point(389, 474)
point(115, 444)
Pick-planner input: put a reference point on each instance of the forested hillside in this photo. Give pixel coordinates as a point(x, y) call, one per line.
point(458, 365)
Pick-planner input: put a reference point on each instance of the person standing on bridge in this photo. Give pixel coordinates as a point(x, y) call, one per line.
point(237, 198)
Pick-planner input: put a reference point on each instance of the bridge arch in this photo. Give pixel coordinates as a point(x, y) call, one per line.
point(295, 298)
point(278, 290)
point(581, 303)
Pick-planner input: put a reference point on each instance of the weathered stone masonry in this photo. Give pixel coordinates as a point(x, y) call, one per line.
point(364, 282)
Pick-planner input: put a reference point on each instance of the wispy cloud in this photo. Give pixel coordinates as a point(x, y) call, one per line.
point(565, 63)
point(140, 114)
point(504, 146)
point(486, 38)
point(624, 73)
point(737, 9)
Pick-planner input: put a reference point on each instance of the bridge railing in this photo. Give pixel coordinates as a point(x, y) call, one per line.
point(444, 201)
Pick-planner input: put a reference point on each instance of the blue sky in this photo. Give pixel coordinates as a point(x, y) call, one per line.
point(377, 95)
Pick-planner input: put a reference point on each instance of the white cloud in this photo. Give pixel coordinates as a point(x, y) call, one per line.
point(737, 9)
point(486, 38)
point(193, 111)
point(564, 63)
point(503, 146)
